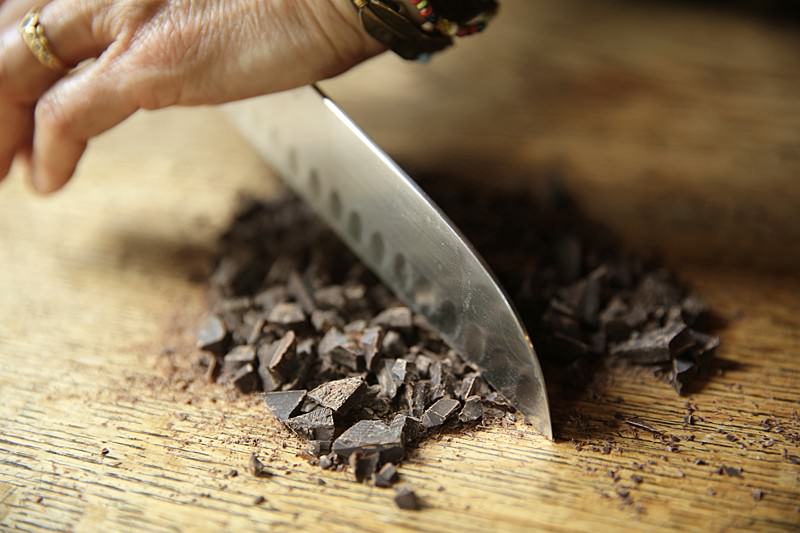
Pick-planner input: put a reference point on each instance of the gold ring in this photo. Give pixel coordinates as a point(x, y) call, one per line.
point(32, 33)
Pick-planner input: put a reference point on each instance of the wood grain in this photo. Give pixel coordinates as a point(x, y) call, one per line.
point(99, 305)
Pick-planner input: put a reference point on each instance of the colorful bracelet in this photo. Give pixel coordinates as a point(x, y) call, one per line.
point(434, 22)
point(388, 22)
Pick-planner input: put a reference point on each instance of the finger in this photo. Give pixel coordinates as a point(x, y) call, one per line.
point(73, 38)
point(15, 134)
point(73, 111)
point(12, 11)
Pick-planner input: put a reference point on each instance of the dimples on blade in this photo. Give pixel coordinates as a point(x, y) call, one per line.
point(399, 233)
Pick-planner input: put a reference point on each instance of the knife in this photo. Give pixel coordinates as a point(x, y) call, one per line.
point(398, 232)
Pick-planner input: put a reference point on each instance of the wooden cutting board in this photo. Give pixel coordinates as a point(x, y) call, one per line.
point(693, 148)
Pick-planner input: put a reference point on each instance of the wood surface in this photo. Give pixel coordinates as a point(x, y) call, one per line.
point(677, 127)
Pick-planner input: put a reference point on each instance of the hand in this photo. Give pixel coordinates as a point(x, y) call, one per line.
point(150, 54)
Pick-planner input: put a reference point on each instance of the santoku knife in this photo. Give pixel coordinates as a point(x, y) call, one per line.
point(392, 225)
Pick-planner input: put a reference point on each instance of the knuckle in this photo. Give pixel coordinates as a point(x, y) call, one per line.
point(52, 114)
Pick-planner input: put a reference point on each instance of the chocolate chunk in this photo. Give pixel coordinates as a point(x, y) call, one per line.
point(257, 468)
point(407, 428)
point(339, 348)
point(213, 335)
point(472, 410)
point(286, 314)
point(325, 462)
point(391, 375)
point(325, 320)
point(393, 345)
point(438, 413)
point(371, 343)
point(339, 395)
point(301, 292)
point(330, 297)
point(315, 425)
point(271, 297)
point(284, 405)
point(683, 372)
point(363, 465)
point(730, 471)
point(418, 396)
point(758, 494)
point(236, 359)
point(394, 318)
point(370, 436)
point(386, 476)
point(318, 448)
point(246, 379)
point(471, 386)
point(655, 346)
point(405, 498)
point(280, 355)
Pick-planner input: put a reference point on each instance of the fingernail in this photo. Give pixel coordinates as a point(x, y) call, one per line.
point(38, 180)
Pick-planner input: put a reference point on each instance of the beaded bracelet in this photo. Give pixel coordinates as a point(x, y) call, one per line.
point(434, 22)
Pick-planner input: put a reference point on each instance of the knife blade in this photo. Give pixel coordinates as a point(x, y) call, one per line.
point(398, 232)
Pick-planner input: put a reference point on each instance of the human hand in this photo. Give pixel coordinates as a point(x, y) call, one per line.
point(152, 54)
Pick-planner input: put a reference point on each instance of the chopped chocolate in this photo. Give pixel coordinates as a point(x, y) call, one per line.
point(279, 355)
point(256, 467)
point(315, 425)
point(405, 498)
point(439, 412)
point(339, 395)
point(341, 349)
point(286, 314)
point(657, 346)
point(284, 405)
point(325, 462)
point(472, 410)
point(245, 379)
point(372, 436)
point(213, 336)
point(319, 447)
point(683, 373)
point(371, 344)
point(394, 318)
point(363, 464)
point(301, 292)
point(406, 427)
point(295, 311)
point(386, 476)
point(330, 297)
point(758, 494)
point(730, 471)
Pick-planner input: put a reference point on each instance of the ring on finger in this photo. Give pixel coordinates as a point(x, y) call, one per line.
point(33, 34)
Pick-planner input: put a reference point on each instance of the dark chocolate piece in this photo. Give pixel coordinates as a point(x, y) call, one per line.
point(472, 410)
point(731, 471)
point(363, 464)
point(386, 476)
point(371, 344)
point(284, 405)
point(407, 428)
point(315, 425)
point(657, 346)
point(370, 436)
point(256, 467)
point(394, 318)
point(339, 395)
point(438, 413)
point(301, 292)
point(213, 335)
point(286, 314)
point(405, 498)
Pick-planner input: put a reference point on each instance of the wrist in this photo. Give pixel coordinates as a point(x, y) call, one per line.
point(360, 42)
